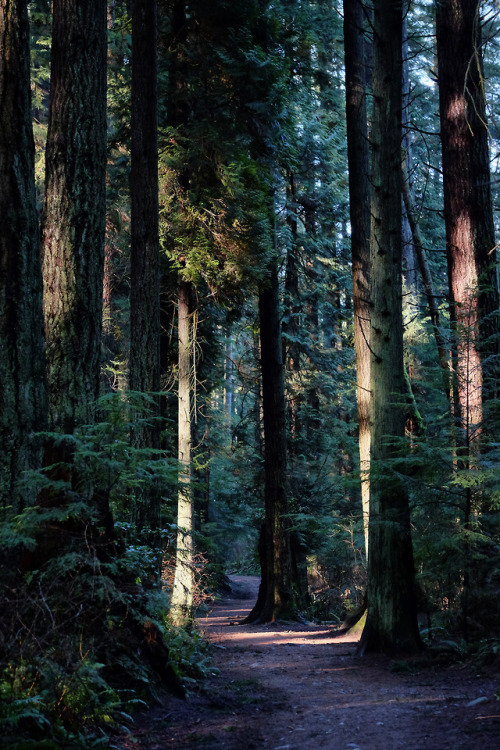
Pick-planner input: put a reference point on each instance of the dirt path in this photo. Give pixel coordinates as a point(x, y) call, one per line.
point(291, 687)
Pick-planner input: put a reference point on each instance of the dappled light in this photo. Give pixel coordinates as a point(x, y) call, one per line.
point(291, 685)
point(271, 634)
point(225, 623)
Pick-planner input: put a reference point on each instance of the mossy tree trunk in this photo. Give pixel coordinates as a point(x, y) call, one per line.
point(23, 407)
point(391, 624)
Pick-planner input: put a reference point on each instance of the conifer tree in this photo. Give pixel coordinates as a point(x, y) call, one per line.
point(183, 587)
point(470, 236)
point(73, 231)
point(391, 623)
point(144, 318)
point(22, 362)
point(219, 228)
point(276, 593)
point(73, 222)
point(144, 361)
point(359, 205)
point(470, 247)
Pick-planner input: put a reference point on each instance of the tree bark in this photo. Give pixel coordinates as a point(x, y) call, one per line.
point(182, 594)
point(23, 407)
point(144, 282)
point(470, 241)
point(73, 235)
point(359, 207)
point(73, 225)
point(276, 594)
point(391, 624)
point(144, 362)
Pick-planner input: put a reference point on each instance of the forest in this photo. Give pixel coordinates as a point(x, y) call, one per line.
point(249, 325)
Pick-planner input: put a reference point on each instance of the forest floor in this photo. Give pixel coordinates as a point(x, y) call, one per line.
point(294, 687)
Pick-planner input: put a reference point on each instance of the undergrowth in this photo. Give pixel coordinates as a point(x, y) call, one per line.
point(84, 634)
point(84, 643)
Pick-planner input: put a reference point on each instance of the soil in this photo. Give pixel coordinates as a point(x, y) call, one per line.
point(290, 686)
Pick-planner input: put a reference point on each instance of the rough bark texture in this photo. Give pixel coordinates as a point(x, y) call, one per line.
point(182, 594)
point(144, 362)
point(22, 362)
point(276, 594)
point(473, 282)
point(391, 624)
point(359, 206)
point(144, 282)
point(74, 212)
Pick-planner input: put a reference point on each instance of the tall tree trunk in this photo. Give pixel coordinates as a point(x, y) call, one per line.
point(178, 117)
point(74, 213)
point(276, 594)
point(23, 407)
point(144, 295)
point(391, 623)
point(359, 206)
point(144, 360)
point(73, 234)
point(470, 241)
point(182, 593)
point(290, 328)
point(472, 274)
point(409, 255)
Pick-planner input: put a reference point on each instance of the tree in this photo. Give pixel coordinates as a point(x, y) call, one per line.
point(73, 222)
point(391, 623)
point(22, 362)
point(183, 587)
point(144, 361)
point(359, 205)
point(215, 224)
point(276, 592)
point(470, 246)
point(144, 274)
point(470, 237)
point(73, 232)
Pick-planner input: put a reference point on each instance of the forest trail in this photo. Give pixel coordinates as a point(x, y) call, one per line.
point(295, 687)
